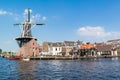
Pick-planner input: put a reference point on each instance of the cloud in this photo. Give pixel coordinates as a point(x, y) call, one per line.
point(14, 15)
point(96, 32)
point(34, 17)
point(37, 18)
point(44, 18)
point(93, 31)
point(3, 12)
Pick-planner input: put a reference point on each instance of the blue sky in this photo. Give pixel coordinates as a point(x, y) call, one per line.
point(84, 20)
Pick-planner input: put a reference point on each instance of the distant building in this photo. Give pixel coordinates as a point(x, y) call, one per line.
point(87, 49)
point(29, 49)
point(55, 49)
point(68, 47)
point(106, 49)
point(50, 48)
point(60, 48)
point(115, 43)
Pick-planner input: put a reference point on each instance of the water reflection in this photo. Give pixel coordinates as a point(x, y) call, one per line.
point(87, 69)
point(115, 58)
point(26, 70)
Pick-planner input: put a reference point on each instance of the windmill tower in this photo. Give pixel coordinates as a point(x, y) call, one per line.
point(28, 46)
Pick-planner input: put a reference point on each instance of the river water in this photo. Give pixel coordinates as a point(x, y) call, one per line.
point(87, 69)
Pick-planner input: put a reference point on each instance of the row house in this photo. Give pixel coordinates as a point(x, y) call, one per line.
point(97, 49)
point(115, 43)
point(87, 49)
point(68, 47)
point(59, 48)
point(49, 48)
point(106, 50)
point(55, 49)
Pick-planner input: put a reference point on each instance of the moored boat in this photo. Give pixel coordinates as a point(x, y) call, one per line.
point(15, 58)
point(25, 59)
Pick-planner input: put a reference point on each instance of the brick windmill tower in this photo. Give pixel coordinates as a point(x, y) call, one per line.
point(28, 46)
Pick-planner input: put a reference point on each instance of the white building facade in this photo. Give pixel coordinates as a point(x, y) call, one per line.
point(55, 50)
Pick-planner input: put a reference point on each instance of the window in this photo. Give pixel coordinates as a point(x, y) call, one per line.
point(33, 53)
point(56, 49)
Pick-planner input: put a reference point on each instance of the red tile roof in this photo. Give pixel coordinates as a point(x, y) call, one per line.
point(104, 47)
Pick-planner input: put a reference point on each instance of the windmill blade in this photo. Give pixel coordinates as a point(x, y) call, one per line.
point(40, 24)
point(37, 23)
point(19, 24)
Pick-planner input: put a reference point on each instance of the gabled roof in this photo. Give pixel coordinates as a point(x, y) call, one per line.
point(69, 43)
point(113, 40)
point(56, 44)
point(104, 47)
point(86, 46)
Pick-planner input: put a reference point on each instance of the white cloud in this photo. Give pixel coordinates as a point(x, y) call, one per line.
point(35, 17)
point(93, 31)
point(44, 18)
point(96, 32)
point(2, 12)
point(14, 15)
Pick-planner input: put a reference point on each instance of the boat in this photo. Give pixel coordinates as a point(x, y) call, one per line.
point(15, 58)
point(25, 59)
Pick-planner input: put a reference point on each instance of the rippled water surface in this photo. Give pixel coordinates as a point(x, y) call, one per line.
point(99, 69)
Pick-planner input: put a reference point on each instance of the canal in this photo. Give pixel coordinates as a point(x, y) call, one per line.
point(86, 69)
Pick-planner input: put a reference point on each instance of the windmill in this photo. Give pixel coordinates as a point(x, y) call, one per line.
point(28, 45)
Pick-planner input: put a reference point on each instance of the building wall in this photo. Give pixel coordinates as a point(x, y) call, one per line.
point(29, 49)
point(45, 47)
point(65, 47)
point(50, 50)
point(57, 50)
point(114, 53)
point(111, 53)
point(68, 49)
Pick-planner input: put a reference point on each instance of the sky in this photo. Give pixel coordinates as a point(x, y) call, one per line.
point(84, 20)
